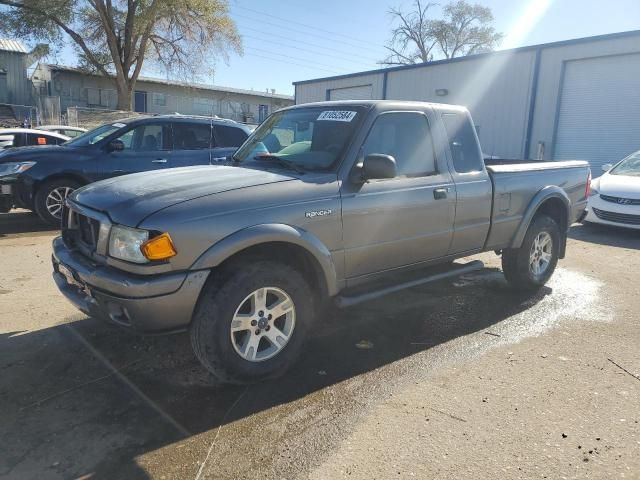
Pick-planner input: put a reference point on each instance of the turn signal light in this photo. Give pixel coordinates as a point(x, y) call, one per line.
point(158, 248)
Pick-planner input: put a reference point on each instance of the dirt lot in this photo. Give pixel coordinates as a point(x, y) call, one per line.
point(463, 379)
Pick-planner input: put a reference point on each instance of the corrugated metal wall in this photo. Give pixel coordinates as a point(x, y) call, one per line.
point(18, 86)
point(317, 91)
point(495, 90)
point(498, 89)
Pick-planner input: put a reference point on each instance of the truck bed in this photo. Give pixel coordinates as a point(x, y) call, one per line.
point(517, 182)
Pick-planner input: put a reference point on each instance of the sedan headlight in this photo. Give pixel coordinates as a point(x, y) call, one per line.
point(125, 243)
point(14, 168)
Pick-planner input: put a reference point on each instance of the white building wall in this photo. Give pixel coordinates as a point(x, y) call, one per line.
point(495, 89)
point(317, 91)
point(498, 89)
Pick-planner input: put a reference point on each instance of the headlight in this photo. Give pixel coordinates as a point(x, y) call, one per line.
point(14, 168)
point(125, 243)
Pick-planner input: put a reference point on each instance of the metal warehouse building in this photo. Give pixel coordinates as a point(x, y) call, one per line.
point(575, 99)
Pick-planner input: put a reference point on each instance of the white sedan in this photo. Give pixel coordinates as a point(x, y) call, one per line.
point(615, 196)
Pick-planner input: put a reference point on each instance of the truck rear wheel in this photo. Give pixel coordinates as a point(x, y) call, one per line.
point(250, 324)
point(530, 266)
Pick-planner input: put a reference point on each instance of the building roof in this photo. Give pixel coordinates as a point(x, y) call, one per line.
point(201, 86)
point(12, 46)
point(540, 46)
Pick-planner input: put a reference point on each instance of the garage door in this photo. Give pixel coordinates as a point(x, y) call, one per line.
point(599, 117)
point(361, 92)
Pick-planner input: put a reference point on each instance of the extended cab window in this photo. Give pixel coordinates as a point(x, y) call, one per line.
point(146, 138)
point(463, 143)
point(191, 136)
point(229, 136)
point(406, 137)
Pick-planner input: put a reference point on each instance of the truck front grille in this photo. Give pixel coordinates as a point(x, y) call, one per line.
point(80, 231)
point(617, 217)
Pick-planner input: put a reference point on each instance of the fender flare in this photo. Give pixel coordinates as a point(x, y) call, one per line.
point(265, 233)
point(538, 199)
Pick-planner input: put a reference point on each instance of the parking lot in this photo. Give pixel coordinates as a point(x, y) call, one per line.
point(459, 379)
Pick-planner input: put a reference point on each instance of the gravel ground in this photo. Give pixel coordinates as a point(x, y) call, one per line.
point(459, 379)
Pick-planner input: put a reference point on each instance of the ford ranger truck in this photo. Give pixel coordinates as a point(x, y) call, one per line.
point(341, 201)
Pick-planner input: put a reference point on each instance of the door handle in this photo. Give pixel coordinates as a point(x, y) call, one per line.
point(159, 160)
point(440, 193)
point(219, 159)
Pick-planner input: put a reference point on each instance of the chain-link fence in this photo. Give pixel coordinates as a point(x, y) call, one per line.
point(89, 118)
point(18, 115)
point(49, 112)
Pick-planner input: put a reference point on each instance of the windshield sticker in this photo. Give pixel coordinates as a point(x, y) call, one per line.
point(337, 116)
point(118, 125)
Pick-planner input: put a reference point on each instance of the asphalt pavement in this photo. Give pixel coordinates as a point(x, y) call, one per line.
point(459, 379)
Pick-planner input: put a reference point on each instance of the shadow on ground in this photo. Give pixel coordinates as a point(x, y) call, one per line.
point(22, 222)
point(66, 414)
point(606, 235)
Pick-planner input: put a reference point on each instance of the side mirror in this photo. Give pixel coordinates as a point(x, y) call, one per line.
point(606, 167)
point(377, 166)
point(115, 146)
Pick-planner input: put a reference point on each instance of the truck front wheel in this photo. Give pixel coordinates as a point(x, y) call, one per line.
point(251, 322)
point(530, 266)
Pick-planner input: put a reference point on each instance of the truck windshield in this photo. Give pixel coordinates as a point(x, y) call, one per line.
point(628, 166)
point(304, 139)
point(95, 135)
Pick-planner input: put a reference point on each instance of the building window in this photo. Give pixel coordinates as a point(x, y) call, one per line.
point(160, 99)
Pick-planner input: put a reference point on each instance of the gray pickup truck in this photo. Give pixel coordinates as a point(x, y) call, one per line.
point(342, 201)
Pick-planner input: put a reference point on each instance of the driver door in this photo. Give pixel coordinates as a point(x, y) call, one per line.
point(401, 221)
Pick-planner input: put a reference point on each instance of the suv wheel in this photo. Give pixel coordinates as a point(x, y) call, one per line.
point(50, 199)
point(250, 324)
point(530, 266)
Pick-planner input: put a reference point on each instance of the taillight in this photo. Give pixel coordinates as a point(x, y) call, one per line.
point(587, 190)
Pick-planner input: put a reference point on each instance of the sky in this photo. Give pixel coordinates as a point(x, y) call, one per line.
point(291, 40)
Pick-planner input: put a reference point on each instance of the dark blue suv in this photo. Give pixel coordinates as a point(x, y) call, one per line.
point(40, 178)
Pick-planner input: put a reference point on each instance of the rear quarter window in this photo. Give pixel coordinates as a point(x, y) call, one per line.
point(462, 142)
point(229, 136)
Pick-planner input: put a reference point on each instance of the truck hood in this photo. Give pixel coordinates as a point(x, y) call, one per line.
point(128, 200)
point(626, 186)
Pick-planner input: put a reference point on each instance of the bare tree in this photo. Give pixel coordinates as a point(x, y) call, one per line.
point(115, 37)
point(412, 40)
point(465, 29)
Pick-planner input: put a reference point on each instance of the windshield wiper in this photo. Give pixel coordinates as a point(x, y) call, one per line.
point(285, 163)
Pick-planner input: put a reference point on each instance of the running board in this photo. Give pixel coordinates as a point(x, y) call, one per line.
point(456, 271)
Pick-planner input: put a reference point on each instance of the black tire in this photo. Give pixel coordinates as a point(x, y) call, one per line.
point(211, 326)
point(40, 202)
point(516, 262)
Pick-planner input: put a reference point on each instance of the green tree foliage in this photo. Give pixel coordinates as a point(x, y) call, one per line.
point(115, 37)
point(465, 29)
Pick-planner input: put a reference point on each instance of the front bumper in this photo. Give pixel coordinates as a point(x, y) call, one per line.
point(610, 213)
point(144, 303)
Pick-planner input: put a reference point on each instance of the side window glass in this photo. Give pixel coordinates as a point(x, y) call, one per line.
point(145, 138)
point(407, 138)
point(191, 136)
point(462, 142)
point(34, 139)
point(229, 136)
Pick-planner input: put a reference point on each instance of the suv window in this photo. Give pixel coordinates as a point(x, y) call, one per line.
point(191, 136)
point(407, 138)
point(146, 138)
point(229, 136)
point(41, 139)
point(463, 143)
